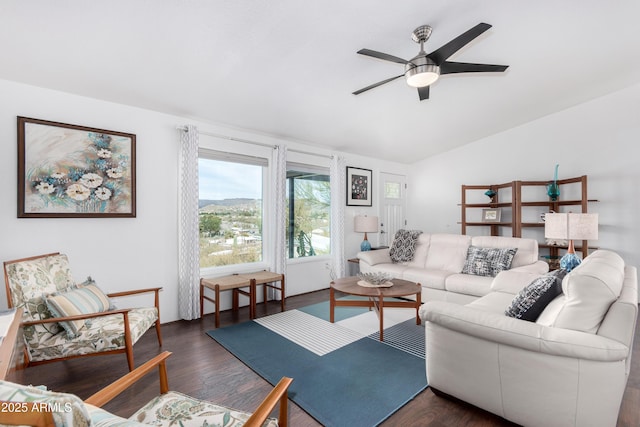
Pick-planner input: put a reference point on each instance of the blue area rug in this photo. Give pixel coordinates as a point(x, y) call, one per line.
point(360, 383)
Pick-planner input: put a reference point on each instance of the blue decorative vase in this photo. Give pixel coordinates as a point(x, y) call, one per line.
point(569, 261)
point(553, 189)
point(490, 193)
point(365, 246)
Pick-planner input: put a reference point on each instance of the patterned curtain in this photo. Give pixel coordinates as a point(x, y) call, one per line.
point(337, 174)
point(278, 183)
point(188, 227)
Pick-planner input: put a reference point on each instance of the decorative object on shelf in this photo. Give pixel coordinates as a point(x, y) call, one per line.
point(543, 215)
point(70, 171)
point(365, 224)
point(359, 184)
point(491, 215)
point(553, 189)
point(375, 280)
point(571, 226)
point(490, 193)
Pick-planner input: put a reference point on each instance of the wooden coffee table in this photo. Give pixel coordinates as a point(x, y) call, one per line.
point(376, 297)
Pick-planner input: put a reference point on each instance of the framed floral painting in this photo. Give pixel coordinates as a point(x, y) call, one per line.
point(69, 171)
point(358, 187)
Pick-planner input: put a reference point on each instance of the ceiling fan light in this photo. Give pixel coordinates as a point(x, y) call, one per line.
point(422, 75)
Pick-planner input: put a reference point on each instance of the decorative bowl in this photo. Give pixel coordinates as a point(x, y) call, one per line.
point(375, 280)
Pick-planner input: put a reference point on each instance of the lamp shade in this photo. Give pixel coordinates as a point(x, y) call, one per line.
point(365, 224)
point(571, 226)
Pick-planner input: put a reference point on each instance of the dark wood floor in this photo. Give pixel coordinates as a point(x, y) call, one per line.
point(200, 367)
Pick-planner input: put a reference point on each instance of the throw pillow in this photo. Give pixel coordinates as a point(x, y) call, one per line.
point(403, 247)
point(83, 300)
point(533, 298)
point(488, 261)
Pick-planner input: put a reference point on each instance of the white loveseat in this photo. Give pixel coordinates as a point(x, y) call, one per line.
point(568, 368)
point(439, 259)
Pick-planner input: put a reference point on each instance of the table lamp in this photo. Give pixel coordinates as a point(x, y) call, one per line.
point(365, 224)
point(571, 226)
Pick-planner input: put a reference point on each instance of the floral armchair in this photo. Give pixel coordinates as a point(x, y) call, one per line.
point(62, 320)
point(170, 408)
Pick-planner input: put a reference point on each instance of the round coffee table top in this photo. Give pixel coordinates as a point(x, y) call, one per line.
point(400, 288)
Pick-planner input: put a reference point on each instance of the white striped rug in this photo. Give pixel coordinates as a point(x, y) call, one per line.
point(314, 334)
point(322, 337)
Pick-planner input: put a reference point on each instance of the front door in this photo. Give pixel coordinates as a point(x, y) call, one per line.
point(393, 191)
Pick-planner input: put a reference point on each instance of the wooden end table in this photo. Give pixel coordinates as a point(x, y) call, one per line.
point(376, 297)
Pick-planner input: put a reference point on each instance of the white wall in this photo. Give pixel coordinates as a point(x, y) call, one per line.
point(126, 253)
point(598, 139)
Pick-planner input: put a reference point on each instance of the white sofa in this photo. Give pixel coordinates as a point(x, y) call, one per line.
point(568, 368)
point(440, 258)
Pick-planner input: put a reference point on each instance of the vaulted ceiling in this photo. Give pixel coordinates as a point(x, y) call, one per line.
point(287, 68)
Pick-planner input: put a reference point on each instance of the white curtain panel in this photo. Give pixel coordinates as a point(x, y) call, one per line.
point(188, 227)
point(337, 174)
point(278, 184)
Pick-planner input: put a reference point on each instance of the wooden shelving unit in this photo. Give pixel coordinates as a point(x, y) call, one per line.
point(476, 193)
point(521, 203)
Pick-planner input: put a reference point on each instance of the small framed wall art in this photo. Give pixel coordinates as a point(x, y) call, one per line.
point(491, 215)
point(70, 171)
point(358, 186)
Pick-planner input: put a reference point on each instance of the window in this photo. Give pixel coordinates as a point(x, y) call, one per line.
point(230, 208)
point(308, 211)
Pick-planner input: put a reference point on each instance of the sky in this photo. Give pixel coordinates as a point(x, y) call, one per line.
point(221, 180)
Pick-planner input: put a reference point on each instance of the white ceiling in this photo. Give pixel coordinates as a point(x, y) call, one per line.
point(287, 68)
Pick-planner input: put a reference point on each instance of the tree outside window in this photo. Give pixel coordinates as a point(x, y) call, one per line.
point(308, 213)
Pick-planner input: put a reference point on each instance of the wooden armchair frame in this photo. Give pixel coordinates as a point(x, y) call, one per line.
point(277, 396)
point(128, 342)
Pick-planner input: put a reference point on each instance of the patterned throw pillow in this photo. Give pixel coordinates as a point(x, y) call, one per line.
point(403, 247)
point(532, 300)
point(82, 300)
point(488, 261)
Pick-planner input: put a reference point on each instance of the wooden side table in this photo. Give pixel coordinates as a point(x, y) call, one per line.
point(376, 297)
point(235, 283)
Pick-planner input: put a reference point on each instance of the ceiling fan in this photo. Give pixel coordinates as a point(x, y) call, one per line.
point(424, 69)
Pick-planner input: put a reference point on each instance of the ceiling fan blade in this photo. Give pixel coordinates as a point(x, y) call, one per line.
point(465, 67)
point(358, 92)
point(423, 93)
point(441, 54)
point(383, 56)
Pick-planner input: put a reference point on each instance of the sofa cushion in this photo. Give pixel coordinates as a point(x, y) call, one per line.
point(422, 249)
point(488, 261)
point(468, 284)
point(404, 245)
point(589, 291)
point(82, 300)
point(493, 302)
point(535, 297)
point(434, 279)
point(447, 252)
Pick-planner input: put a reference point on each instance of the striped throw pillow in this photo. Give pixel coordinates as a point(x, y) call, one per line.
point(82, 300)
